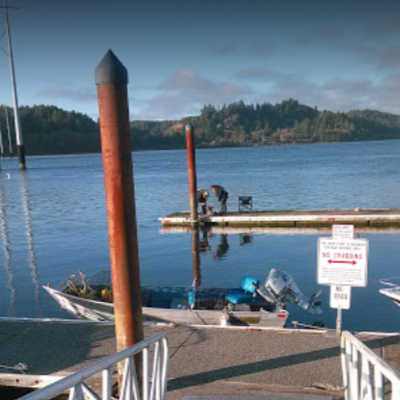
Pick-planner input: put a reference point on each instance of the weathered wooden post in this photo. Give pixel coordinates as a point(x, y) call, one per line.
point(111, 81)
point(196, 256)
point(191, 157)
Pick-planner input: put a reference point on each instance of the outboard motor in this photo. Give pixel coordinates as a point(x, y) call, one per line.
point(284, 289)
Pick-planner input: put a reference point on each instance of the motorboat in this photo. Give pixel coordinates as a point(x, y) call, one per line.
point(249, 304)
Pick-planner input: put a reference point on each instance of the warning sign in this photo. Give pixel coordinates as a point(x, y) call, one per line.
point(342, 262)
point(344, 232)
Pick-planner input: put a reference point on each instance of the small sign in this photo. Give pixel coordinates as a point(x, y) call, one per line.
point(340, 297)
point(342, 262)
point(344, 232)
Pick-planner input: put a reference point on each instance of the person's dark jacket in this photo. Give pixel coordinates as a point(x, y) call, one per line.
point(200, 197)
point(220, 192)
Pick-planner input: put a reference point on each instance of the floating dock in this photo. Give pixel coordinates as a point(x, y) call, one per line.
point(292, 218)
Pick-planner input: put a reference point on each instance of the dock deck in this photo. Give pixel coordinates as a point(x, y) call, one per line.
point(292, 218)
point(204, 361)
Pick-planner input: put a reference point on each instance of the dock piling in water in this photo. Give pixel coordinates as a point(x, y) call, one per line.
point(111, 81)
point(191, 157)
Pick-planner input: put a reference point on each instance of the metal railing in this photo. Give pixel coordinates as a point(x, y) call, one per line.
point(365, 375)
point(154, 383)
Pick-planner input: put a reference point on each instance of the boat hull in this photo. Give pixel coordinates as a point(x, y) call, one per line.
point(392, 293)
point(101, 311)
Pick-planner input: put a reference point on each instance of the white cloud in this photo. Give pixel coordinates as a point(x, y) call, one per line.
point(185, 93)
point(67, 93)
point(390, 57)
point(259, 74)
point(224, 49)
point(339, 94)
point(384, 28)
point(256, 48)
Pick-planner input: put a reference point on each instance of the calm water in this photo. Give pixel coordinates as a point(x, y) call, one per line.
point(53, 222)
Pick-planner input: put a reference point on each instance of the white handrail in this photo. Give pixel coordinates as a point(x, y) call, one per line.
point(361, 382)
point(154, 386)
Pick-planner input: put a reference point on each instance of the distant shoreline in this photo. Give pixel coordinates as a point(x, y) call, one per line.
point(198, 148)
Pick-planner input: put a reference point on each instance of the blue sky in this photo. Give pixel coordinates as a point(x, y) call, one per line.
point(180, 55)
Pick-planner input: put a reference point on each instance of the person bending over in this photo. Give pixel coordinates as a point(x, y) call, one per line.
point(222, 196)
point(202, 196)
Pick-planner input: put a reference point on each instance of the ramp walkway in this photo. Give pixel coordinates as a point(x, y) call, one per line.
point(203, 361)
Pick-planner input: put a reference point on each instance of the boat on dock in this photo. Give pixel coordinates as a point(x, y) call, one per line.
point(249, 304)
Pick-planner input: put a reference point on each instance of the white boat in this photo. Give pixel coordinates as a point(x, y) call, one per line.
point(393, 289)
point(248, 305)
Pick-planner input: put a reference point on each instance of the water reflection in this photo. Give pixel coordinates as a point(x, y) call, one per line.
point(245, 238)
point(7, 252)
point(196, 257)
point(204, 244)
point(7, 200)
point(222, 249)
point(29, 235)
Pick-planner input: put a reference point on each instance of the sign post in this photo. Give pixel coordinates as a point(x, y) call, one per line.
point(340, 299)
point(342, 263)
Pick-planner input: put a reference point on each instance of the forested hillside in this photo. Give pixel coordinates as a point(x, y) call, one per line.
point(51, 130)
point(289, 122)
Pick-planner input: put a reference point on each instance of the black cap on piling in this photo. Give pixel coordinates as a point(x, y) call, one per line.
point(111, 70)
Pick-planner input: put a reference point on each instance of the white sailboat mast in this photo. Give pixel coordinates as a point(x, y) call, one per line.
point(18, 133)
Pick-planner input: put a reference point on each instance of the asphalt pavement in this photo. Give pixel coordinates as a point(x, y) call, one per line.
point(203, 361)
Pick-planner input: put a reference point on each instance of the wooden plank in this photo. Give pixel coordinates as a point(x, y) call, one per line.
point(28, 381)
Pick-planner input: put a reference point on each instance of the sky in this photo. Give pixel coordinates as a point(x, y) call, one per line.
point(184, 54)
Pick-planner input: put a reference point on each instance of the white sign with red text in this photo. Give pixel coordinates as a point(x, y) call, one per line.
point(342, 262)
point(343, 232)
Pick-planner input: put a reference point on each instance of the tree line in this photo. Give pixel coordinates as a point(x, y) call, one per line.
point(51, 130)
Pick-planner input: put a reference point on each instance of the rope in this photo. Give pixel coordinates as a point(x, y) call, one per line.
point(389, 283)
point(295, 323)
point(21, 367)
point(212, 322)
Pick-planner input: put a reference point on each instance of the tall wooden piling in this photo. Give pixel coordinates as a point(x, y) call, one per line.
point(111, 81)
point(191, 158)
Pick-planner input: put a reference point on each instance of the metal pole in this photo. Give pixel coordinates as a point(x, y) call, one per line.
point(339, 322)
point(1, 142)
point(18, 133)
point(191, 157)
point(10, 148)
point(111, 81)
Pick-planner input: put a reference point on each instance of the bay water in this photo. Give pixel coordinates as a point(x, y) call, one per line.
point(53, 222)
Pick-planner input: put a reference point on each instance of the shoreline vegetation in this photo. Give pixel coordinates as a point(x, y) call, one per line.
point(49, 130)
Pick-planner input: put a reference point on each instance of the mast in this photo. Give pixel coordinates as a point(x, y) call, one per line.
point(1, 142)
point(18, 133)
point(10, 148)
